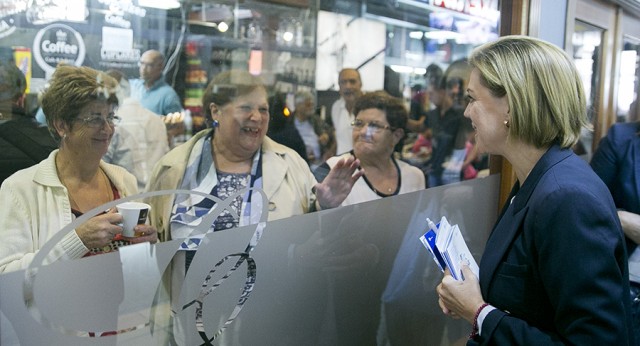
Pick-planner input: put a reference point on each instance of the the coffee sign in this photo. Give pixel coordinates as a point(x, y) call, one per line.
point(58, 43)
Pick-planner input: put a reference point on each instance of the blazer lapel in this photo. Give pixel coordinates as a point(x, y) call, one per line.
point(503, 235)
point(636, 162)
point(509, 224)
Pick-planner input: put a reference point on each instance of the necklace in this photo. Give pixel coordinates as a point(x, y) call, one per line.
point(389, 190)
point(385, 189)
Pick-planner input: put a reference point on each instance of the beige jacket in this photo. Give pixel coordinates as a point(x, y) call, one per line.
point(287, 182)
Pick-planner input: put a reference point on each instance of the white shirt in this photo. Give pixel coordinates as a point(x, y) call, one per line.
point(150, 133)
point(342, 123)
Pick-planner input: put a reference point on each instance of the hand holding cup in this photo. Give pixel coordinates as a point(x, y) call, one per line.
point(133, 214)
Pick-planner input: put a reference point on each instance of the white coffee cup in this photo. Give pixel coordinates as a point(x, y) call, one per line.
point(133, 213)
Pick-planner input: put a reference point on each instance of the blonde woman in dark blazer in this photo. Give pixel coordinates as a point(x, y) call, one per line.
point(554, 268)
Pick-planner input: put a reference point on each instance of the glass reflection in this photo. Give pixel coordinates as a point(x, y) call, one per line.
point(587, 49)
point(627, 104)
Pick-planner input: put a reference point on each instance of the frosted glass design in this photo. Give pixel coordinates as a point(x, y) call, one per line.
point(350, 275)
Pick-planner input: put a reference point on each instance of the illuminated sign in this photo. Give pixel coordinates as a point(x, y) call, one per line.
point(8, 8)
point(58, 43)
point(124, 6)
point(481, 8)
point(117, 46)
point(6, 27)
point(47, 11)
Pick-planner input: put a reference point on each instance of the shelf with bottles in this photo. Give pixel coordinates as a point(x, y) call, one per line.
point(295, 34)
point(291, 88)
point(195, 77)
point(297, 76)
point(234, 44)
point(198, 121)
point(256, 25)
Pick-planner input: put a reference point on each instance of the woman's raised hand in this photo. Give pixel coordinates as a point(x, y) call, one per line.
point(338, 184)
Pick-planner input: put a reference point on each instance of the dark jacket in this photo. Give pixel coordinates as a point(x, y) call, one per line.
point(555, 263)
point(617, 163)
point(23, 143)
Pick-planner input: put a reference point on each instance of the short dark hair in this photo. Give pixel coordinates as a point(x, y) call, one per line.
point(393, 107)
point(434, 75)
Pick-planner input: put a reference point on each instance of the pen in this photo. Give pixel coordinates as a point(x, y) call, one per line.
point(432, 226)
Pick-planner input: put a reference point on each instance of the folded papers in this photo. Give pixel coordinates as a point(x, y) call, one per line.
point(448, 248)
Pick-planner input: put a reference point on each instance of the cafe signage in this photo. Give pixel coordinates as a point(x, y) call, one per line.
point(58, 43)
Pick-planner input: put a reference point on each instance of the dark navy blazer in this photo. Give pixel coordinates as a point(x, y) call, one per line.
point(555, 265)
point(617, 162)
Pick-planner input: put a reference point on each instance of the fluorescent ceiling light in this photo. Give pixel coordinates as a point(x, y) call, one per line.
point(161, 4)
point(417, 35)
point(402, 68)
point(408, 69)
point(419, 70)
point(442, 35)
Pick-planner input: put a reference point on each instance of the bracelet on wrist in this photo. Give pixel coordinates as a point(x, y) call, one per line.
point(474, 330)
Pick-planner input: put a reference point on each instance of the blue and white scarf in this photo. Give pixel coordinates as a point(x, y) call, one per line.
point(201, 175)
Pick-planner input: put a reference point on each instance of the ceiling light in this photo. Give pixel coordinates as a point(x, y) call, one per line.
point(417, 35)
point(442, 35)
point(223, 27)
point(402, 68)
point(408, 69)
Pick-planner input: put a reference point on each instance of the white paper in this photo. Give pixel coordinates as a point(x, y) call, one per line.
point(453, 249)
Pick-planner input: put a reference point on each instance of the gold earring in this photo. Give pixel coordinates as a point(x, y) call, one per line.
point(506, 123)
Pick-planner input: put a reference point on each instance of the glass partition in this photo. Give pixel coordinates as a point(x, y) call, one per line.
point(293, 45)
point(627, 103)
point(587, 52)
point(350, 275)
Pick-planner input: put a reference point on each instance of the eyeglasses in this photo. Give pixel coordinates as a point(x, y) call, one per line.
point(147, 64)
point(97, 121)
point(359, 124)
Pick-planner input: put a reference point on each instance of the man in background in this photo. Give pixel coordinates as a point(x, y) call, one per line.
point(312, 129)
point(23, 142)
point(342, 115)
point(444, 123)
point(151, 89)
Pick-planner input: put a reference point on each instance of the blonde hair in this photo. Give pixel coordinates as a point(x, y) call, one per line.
point(547, 103)
point(72, 88)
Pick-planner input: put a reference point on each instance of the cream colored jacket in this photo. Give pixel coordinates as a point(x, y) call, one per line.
point(35, 206)
point(287, 182)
